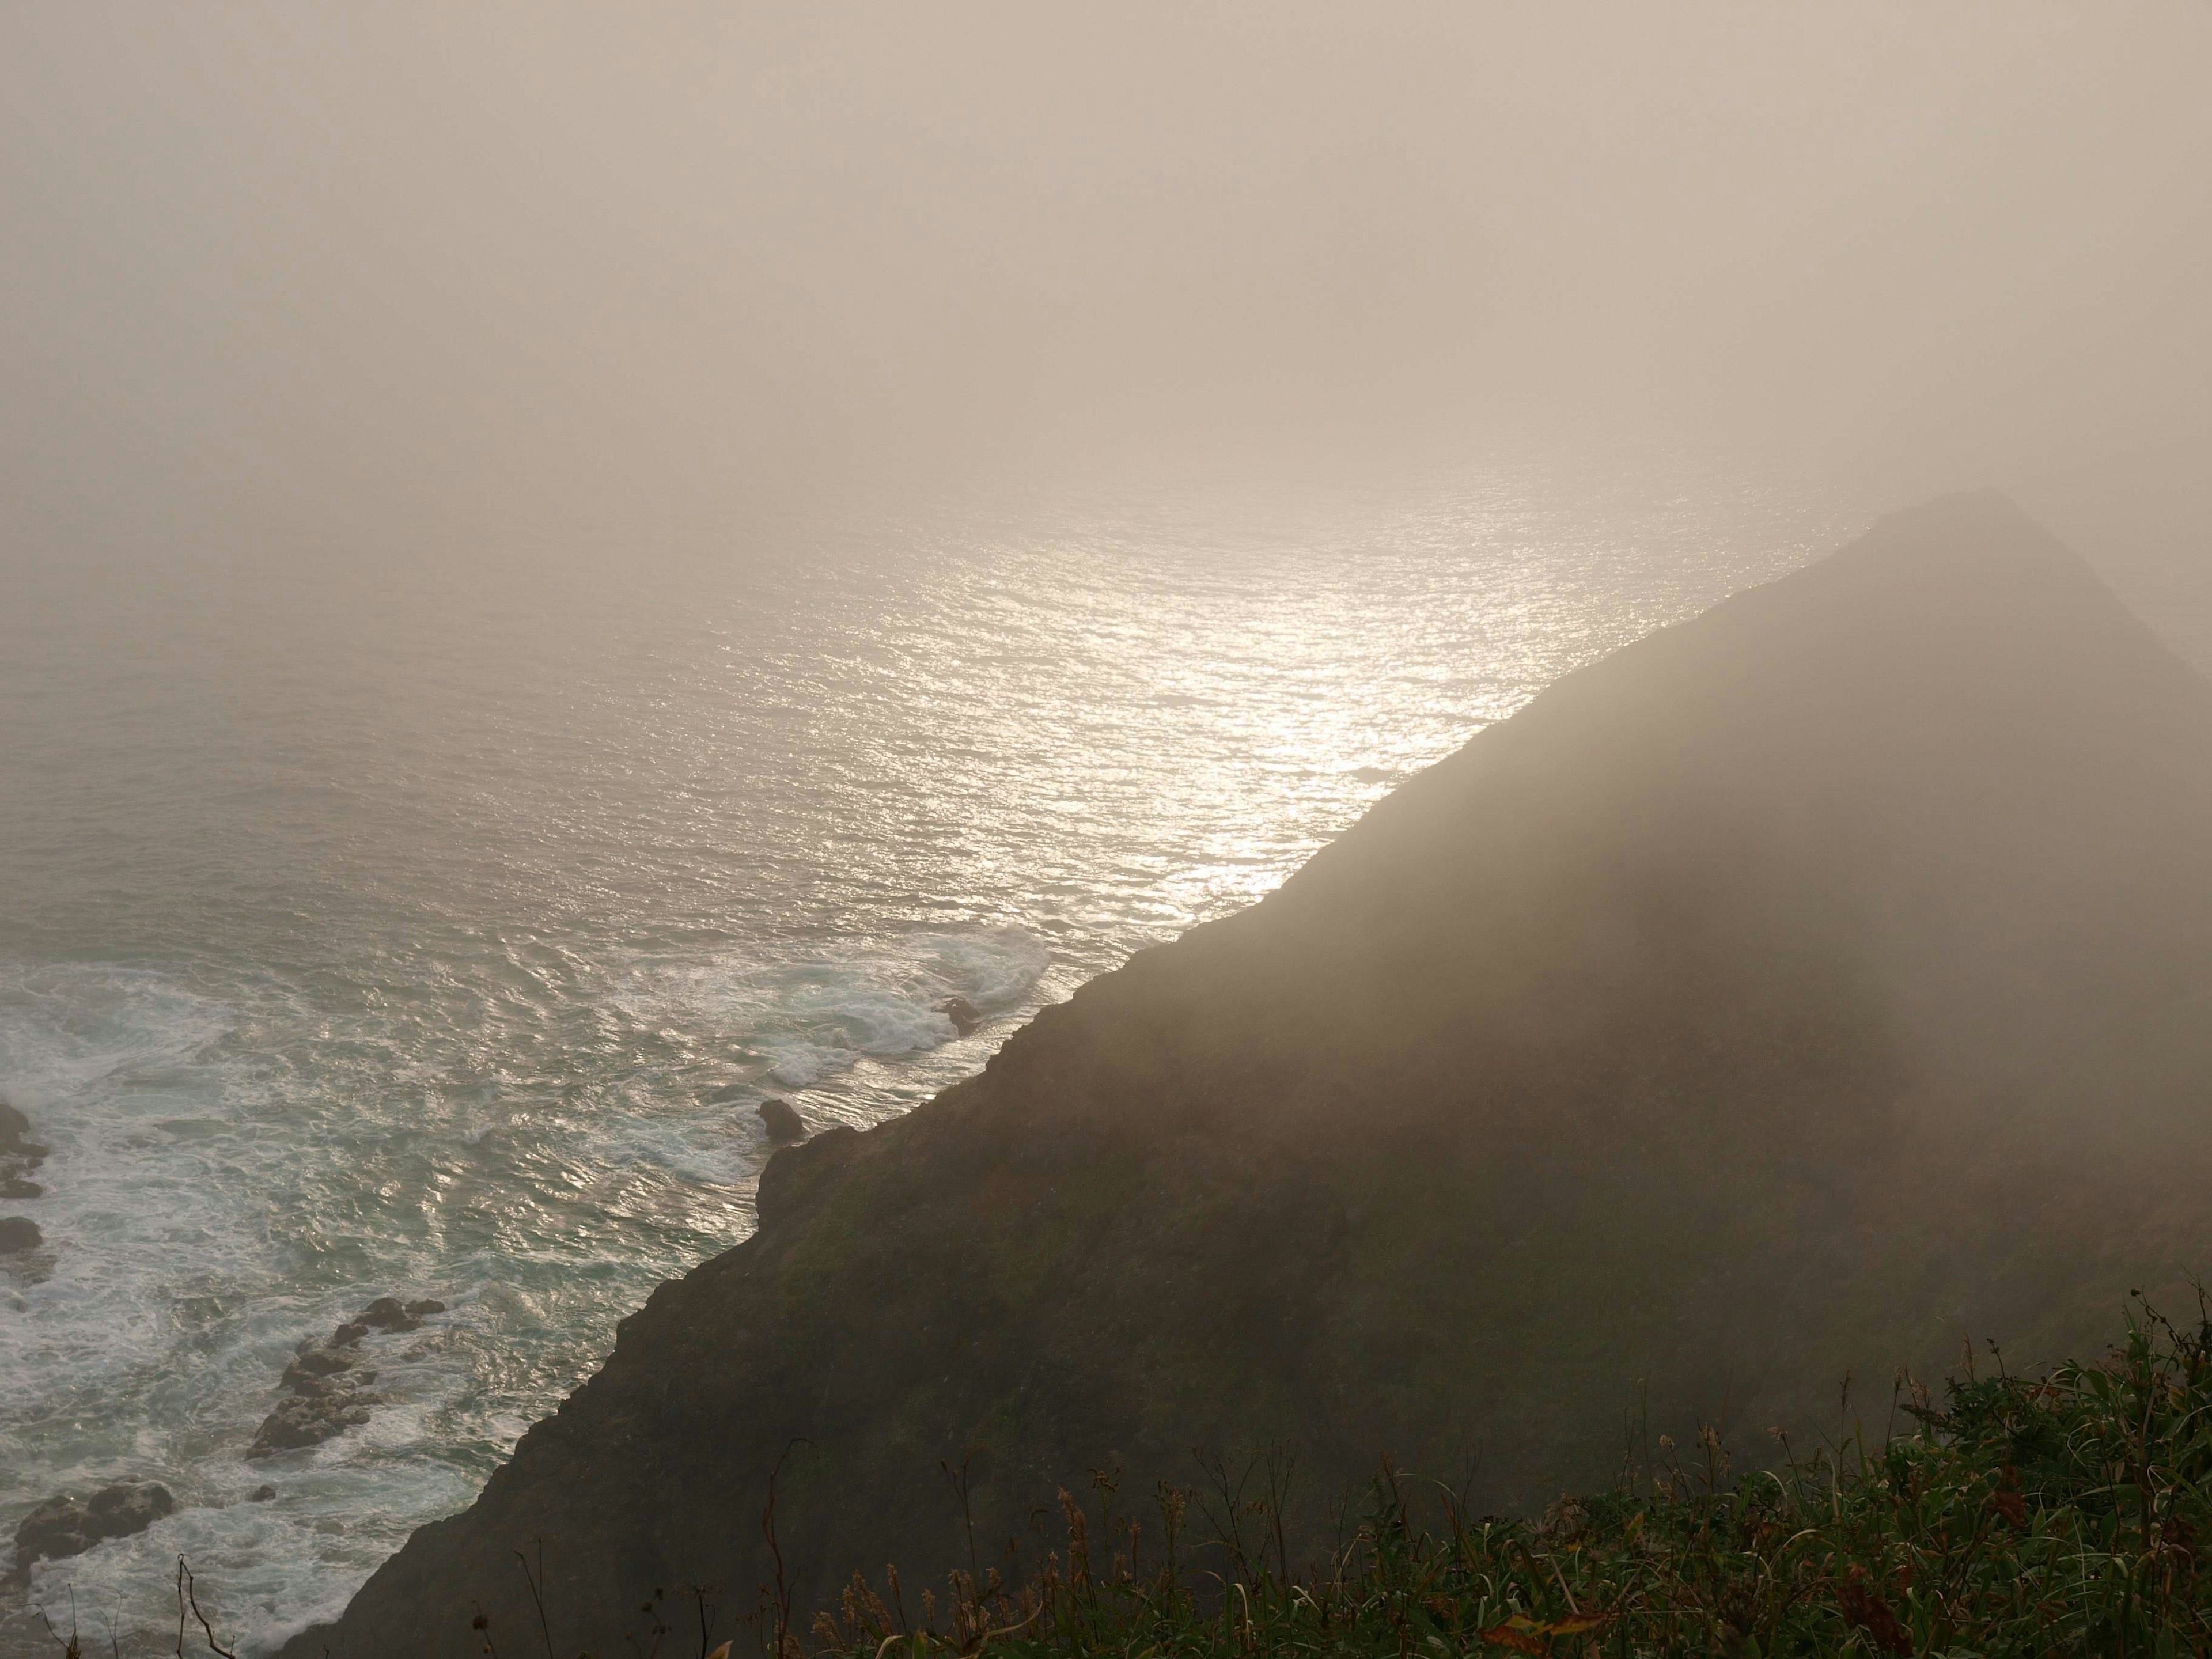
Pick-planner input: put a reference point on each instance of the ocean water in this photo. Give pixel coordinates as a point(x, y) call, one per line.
point(383, 926)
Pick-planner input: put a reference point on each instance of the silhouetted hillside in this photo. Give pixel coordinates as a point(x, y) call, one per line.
point(1797, 989)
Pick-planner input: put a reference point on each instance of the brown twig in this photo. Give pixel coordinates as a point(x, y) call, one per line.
point(537, 1592)
point(776, 1549)
point(192, 1595)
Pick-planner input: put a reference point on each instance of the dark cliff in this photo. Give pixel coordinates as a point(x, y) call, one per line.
point(1796, 991)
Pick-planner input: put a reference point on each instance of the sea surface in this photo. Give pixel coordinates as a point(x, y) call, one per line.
point(382, 925)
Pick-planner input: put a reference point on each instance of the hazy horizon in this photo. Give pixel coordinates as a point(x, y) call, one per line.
point(573, 278)
point(575, 577)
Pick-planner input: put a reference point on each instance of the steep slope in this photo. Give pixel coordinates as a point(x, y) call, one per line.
point(1794, 991)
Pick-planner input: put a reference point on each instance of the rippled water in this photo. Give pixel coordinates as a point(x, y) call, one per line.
point(382, 927)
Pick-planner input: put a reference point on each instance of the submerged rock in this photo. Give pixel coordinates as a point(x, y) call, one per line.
point(62, 1526)
point(782, 1121)
point(314, 1361)
point(19, 1233)
point(327, 1387)
point(261, 1494)
point(19, 1156)
point(16, 1141)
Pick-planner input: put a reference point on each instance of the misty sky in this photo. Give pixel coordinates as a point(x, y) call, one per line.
point(359, 275)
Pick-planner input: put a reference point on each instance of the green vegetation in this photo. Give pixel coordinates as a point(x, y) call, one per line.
point(2045, 1515)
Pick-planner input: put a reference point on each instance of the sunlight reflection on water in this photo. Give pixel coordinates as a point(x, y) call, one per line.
point(387, 931)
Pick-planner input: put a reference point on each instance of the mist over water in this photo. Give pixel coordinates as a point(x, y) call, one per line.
point(385, 930)
point(558, 562)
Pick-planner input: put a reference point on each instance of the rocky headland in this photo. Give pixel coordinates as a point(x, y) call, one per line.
point(1811, 986)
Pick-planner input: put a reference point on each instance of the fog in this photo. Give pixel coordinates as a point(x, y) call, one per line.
point(551, 274)
point(1210, 624)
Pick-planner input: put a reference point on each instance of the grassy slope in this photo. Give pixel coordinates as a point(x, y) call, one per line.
point(2056, 1513)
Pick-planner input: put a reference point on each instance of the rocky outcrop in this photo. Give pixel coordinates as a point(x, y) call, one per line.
point(1794, 992)
point(387, 1313)
point(62, 1526)
point(19, 1155)
point(964, 1015)
point(781, 1121)
point(15, 1142)
point(326, 1386)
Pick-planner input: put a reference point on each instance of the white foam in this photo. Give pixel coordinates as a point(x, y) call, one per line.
point(994, 970)
point(801, 1018)
point(263, 1570)
point(213, 1198)
point(65, 1028)
point(151, 1347)
point(101, 1059)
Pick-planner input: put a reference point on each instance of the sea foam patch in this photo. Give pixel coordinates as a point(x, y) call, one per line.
point(150, 1340)
point(795, 1020)
point(65, 1028)
point(107, 1063)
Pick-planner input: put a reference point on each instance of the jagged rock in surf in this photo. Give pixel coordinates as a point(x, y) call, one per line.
point(62, 1526)
point(782, 1121)
point(15, 1142)
point(964, 1015)
point(19, 1155)
point(306, 1420)
point(387, 1313)
point(327, 1383)
point(1792, 991)
point(315, 1363)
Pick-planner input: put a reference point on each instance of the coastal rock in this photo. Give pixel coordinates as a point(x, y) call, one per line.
point(1767, 1002)
point(798, 1172)
point(15, 1142)
point(19, 1156)
point(261, 1494)
point(62, 1526)
point(328, 1386)
point(307, 1420)
point(316, 1362)
point(19, 1233)
point(782, 1121)
point(387, 1314)
point(964, 1015)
